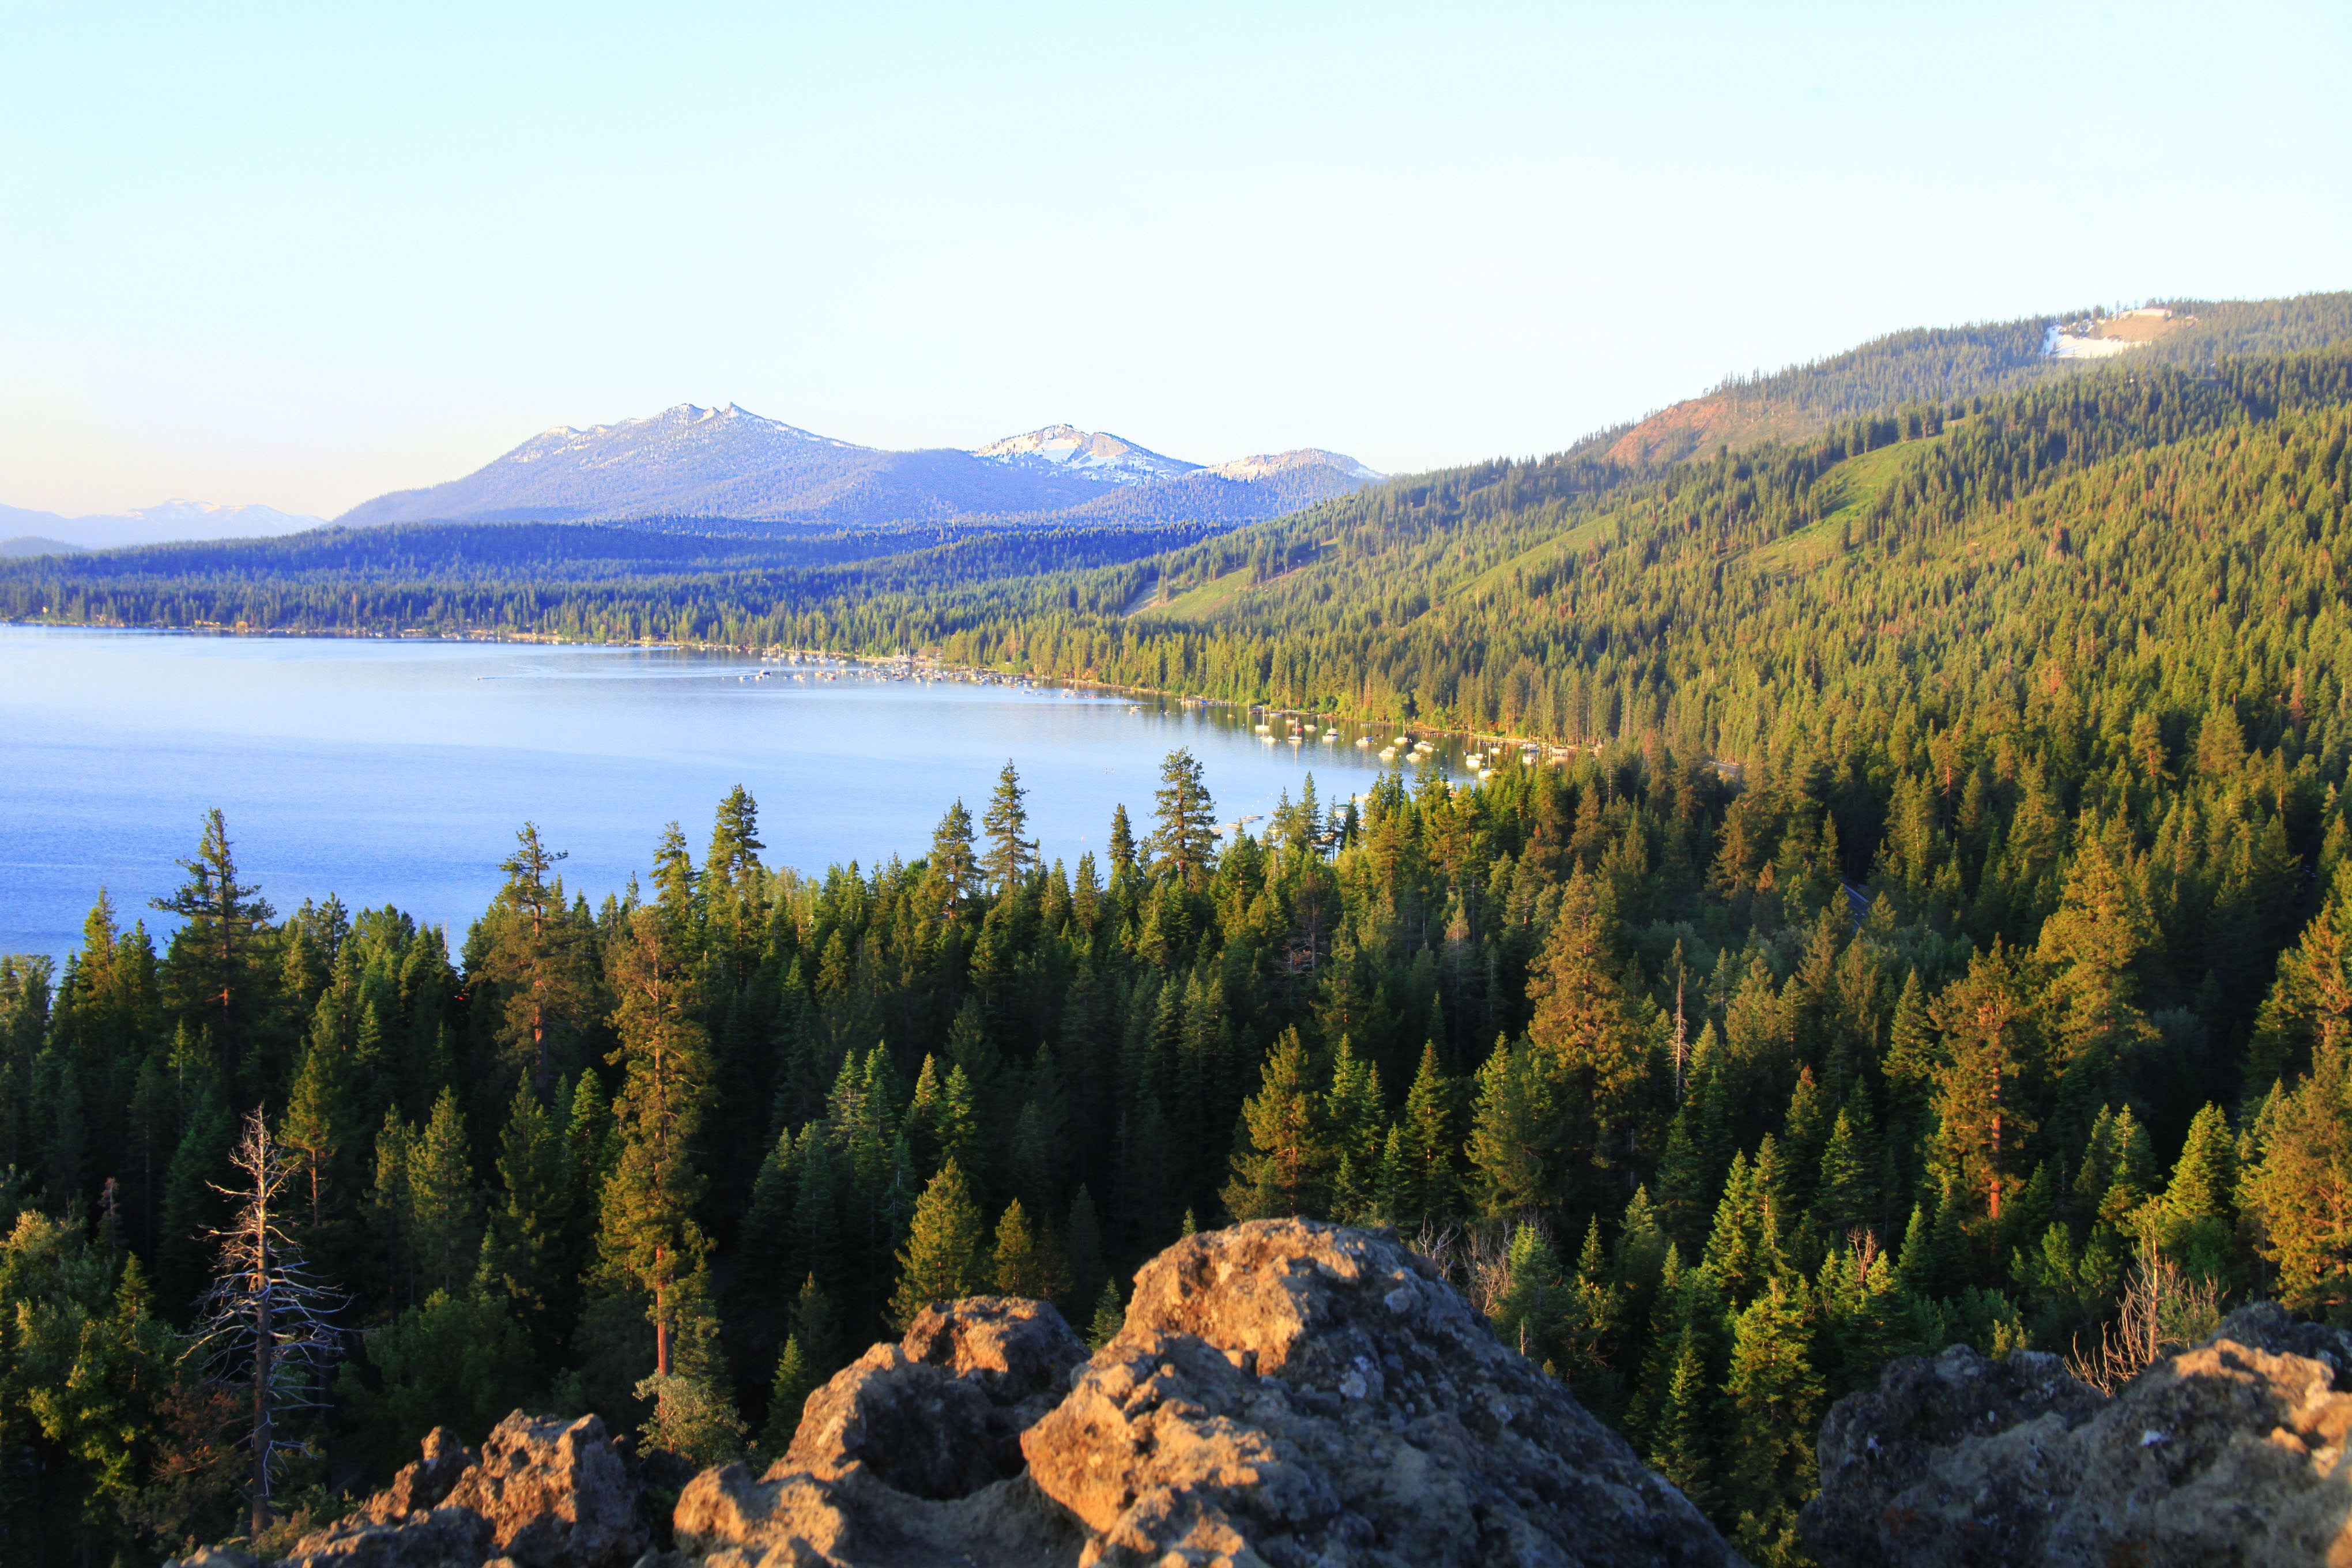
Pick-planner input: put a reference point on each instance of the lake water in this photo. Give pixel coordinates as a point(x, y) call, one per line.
point(397, 771)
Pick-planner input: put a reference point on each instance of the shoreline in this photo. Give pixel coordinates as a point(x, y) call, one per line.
point(1555, 752)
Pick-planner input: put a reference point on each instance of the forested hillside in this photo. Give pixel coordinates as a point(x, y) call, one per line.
point(1944, 364)
point(624, 582)
point(1706, 1130)
point(1938, 928)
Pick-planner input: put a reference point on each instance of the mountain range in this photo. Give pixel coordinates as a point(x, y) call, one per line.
point(727, 470)
point(24, 533)
point(730, 464)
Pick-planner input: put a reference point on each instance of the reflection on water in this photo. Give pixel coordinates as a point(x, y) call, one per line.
point(397, 771)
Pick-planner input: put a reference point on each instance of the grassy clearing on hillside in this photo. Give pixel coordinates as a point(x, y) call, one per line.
point(1217, 595)
point(1591, 530)
point(1858, 481)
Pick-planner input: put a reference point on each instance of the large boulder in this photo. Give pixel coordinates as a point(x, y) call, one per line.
point(940, 1415)
point(1284, 1394)
point(542, 1494)
point(1291, 1393)
point(911, 1455)
point(436, 1538)
point(423, 1483)
point(555, 1494)
point(2227, 1453)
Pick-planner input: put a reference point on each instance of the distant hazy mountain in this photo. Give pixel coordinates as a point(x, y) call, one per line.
point(1243, 490)
point(174, 520)
point(34, 544)
point(1302, 460)
point(690, 462)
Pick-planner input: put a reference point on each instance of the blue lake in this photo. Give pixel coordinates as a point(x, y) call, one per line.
point(397, 771)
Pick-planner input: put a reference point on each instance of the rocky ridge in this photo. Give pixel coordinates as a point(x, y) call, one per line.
point(1287, 1393)
point(2230, 1454)
point(540, 1494)
point(1284, 1394)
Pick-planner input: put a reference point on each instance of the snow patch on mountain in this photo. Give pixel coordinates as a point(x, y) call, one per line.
point(212, 520)
point(1088, 453)
point(674, 434)
point(695, 462)
point(1268, 464)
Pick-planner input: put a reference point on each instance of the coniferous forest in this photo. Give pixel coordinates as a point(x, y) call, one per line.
point(1936, 927)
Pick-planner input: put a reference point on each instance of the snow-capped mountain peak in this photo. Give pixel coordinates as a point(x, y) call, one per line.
point(693, 462)
point(672, 433)
point(1268, 464)
point(1085, 453)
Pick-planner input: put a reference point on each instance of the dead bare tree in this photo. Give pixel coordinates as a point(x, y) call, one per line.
point(2164, 1309)
point(1476, 1259)
point(265, 1323)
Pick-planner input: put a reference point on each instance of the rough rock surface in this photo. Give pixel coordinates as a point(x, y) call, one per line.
point(543, 1494)
point(1292, 1393)
point(422, 1485)
point(2227, 1453)
point(911, 1455)
point(213, 1557)
point(1284, 1392)
point(940, 1415)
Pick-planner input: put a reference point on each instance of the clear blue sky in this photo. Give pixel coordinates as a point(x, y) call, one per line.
point(301, 254)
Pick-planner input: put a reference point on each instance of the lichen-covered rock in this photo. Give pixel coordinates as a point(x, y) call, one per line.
point(213, 1557)
point(852, 1519)
point(437, 1537)
point(1013, 1350)
point(2223, 1455)
point(913, 1454)
point(555, 1494)
point(424, 1483)
point(1284, 1392)
point(543, 1494)
point(1292, 1393)
point(940, 1415)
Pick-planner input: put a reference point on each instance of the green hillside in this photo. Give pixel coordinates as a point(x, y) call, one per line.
point(1949, 363)
point(1940, 929)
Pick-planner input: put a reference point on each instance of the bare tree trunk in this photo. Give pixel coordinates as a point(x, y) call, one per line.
point(262, 1344)
point(264, 1315)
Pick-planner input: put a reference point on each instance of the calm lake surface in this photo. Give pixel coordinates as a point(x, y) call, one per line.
point(397, 771)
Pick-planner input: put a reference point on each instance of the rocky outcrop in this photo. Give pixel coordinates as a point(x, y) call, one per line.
point(542, 1494)
point(940, 1415)
point(422, 1485)
point(1284, 1392)
point(213, 1557)
point(2227, 1453)
point(910, 1455)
